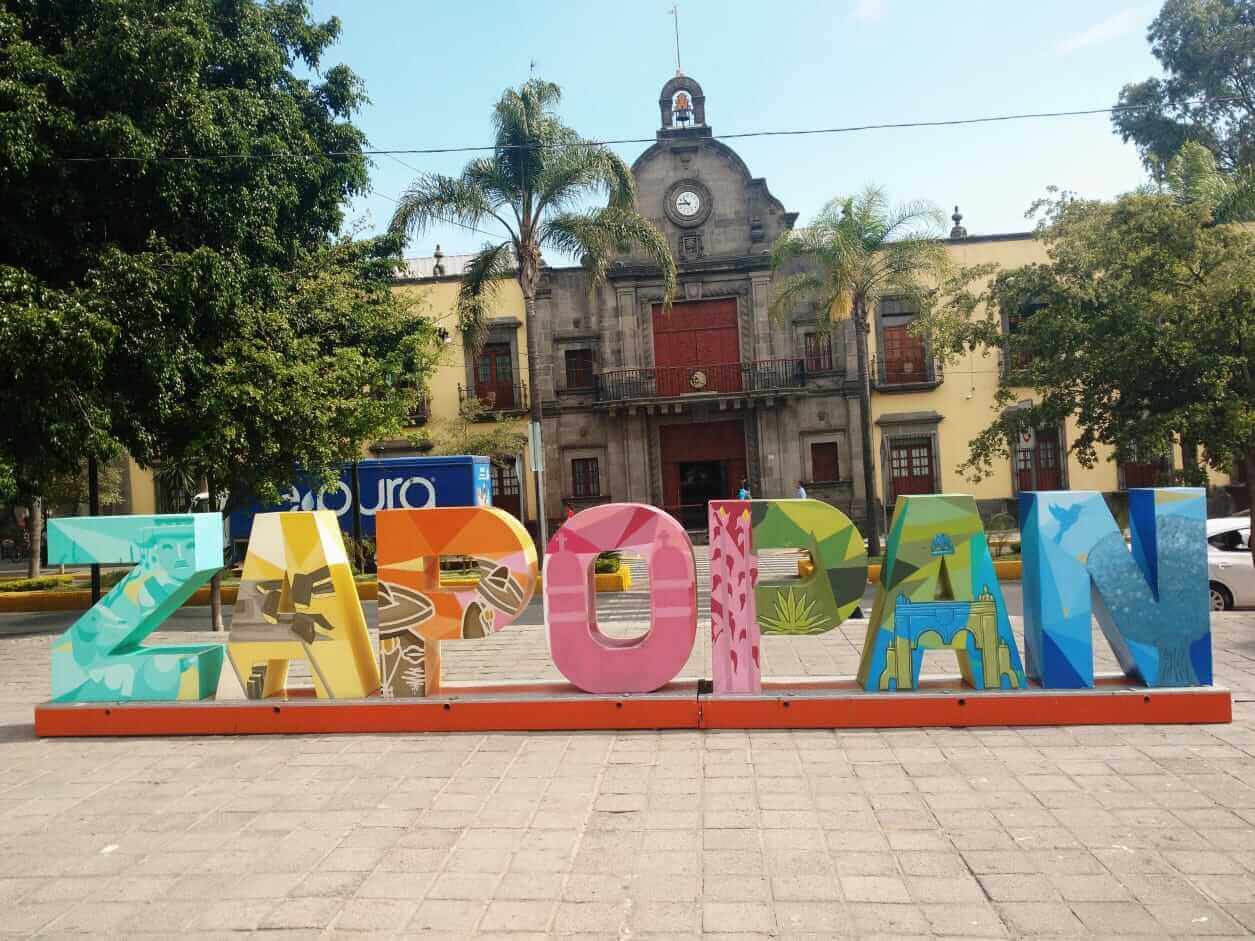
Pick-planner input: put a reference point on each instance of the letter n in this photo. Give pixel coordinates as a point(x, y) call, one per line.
point(1152, 604)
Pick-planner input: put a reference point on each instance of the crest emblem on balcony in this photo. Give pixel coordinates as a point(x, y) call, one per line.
point(698, 380)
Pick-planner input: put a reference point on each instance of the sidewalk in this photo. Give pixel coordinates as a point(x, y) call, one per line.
point(1143, 831)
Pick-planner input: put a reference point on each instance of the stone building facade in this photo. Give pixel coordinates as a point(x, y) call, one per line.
point(674, 408)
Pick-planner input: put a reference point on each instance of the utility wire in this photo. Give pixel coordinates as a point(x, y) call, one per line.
point(798, 132)
point(462, 225)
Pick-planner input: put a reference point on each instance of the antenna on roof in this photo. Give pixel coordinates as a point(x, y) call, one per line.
point(675, 12)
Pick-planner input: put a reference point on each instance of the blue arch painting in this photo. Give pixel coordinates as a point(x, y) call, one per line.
point(100, 658)
point(938, 591)
point(1151, 604)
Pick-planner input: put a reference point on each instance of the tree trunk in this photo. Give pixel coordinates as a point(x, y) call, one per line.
point(1192, 473)
point(533, 392)
point(35, 526)
point(865, 427)
point(215, 583)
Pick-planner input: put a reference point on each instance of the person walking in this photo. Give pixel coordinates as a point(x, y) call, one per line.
point(800, 493)
point(744, 492)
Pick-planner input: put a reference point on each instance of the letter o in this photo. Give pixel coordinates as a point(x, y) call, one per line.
point(588, 658)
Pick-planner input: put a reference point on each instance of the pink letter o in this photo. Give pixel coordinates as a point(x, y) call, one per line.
point(581, 652)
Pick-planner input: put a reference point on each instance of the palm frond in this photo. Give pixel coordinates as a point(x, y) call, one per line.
point(570, 170)
point(597, 237)
point(481, 285)
point(797, 290)
point(434, 198)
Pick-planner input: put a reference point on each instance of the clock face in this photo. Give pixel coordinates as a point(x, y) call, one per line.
point(688, 203)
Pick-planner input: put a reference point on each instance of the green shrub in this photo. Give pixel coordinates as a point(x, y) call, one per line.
point(43, 583)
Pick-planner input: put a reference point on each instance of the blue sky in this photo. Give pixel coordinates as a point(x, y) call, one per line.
point(433, 71)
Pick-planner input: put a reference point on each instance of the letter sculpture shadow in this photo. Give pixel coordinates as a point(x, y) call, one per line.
point(298, 600)
point(591, 660)
point(100, 657)
point(1152, 606)
point(741, 609)
point(416, 613)
point(938, 590)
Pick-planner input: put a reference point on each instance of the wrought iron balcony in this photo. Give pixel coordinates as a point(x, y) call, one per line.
point(497, 399)
point(419, 414)
point(906, 373)
point(665, 382)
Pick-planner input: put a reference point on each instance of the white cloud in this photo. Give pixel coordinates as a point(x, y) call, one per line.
point(869, 11)
point(1129, 20)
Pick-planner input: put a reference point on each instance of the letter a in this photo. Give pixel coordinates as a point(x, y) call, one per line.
point(298, 601)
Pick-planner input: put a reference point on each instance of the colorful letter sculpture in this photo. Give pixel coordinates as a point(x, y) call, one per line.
point(938, 590)
point(100, 657)
point(741, 609)
point(298, 600)
point(1153, 605)
point(591, 660)
point(416, 614)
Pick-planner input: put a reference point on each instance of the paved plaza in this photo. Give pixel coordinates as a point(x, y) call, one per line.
point(1100, 831)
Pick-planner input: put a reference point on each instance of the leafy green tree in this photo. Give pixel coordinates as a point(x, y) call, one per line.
point(539, 170)
point(1207, 92)
point(179, 169)
point(1141, 326)
point(479, 430)
point(54, 349)
point(859, 250)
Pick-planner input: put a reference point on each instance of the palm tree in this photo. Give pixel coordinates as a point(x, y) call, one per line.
point(539, 171)
point(858, 250)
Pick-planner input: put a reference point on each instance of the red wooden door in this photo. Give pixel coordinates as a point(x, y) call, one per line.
point(911, 467)
point(722, 441)
point(697, 337)
point(1045, 461)
point(494, 376)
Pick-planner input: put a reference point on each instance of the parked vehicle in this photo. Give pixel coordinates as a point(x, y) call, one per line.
point(1230, 570)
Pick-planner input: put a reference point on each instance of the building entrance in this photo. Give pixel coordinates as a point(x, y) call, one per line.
point(701, 461)
point(701, 482)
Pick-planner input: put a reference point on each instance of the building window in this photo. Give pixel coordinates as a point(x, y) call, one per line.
point(579, 369)
point(494, 376)
point(911, 466)
point(824, 462)
point(585, 479)
point(1040, 467)
point(1139, 473)
point(1012, 323)
point(904, 356)
point(818, 348)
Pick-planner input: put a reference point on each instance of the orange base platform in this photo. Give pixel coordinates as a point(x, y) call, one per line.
point(537, 707)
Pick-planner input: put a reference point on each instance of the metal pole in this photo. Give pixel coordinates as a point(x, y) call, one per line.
point(93, 508)
point(355, 494)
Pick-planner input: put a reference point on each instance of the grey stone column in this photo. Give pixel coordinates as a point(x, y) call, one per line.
point(760, 298)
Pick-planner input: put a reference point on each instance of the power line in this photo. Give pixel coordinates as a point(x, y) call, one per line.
point(742, 135)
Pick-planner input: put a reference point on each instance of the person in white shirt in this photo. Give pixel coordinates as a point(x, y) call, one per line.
point(801, 491)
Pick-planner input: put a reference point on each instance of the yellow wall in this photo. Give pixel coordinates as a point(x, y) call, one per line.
point(965, 398)
point(142, 488)
point(437, 300)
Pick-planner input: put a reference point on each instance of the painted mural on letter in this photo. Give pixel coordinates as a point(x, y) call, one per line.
point(416, 613)
point(1152, 603)
point(298, 601)
point(590, 659)
point(100, 658)
point(938, 591)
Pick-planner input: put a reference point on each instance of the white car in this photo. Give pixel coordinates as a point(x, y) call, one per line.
point(1230, 572)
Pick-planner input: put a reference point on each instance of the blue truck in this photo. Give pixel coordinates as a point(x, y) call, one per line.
point(388, 483)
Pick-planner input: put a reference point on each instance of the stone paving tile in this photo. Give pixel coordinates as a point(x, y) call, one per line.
point(1102, 831)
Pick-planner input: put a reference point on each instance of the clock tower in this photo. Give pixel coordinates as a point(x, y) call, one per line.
point(684, 403)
